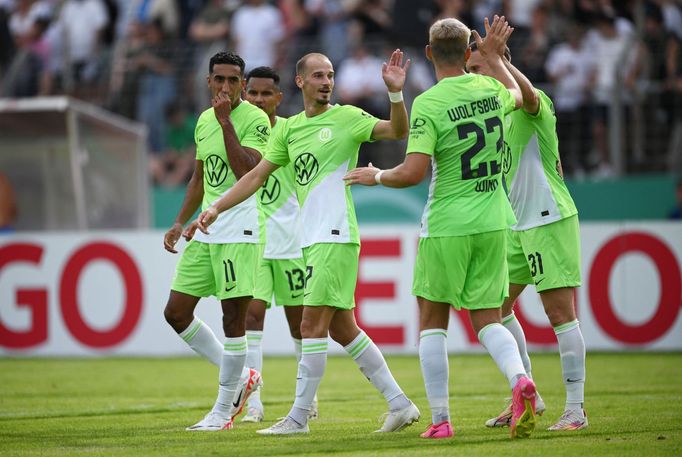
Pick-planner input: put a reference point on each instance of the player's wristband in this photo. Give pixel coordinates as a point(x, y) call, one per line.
point(395, 97)
point(377, 177)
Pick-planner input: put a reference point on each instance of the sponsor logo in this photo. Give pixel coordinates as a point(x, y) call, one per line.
point(506, 158)
point(215, 170)
point(291, 140)
point(227, 289)
point(238, 400)
point(418, 122)
point(537, 283)
point(263, 129)
point(306, 168)
point(270, 191)
point(573, 380)
point(325, 134)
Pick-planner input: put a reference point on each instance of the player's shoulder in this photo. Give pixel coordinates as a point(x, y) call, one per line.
point(252, 111)
point(349, 111)
point(206, 116)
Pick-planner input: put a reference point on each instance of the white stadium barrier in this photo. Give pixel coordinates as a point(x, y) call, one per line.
point(103, 293)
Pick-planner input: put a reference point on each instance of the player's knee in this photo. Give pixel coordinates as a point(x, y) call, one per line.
point(254, 322)
point(558, 316)
point(177, 318)
point(232, 326)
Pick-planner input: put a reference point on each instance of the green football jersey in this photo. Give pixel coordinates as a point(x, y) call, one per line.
point(322, 149)
point(532, 168)
point(458, 122)
point(280, 210)
point(241, 223)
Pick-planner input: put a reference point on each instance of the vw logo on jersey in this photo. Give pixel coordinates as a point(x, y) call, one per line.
point(506, 158)
point(325, 134)
point(270, 190)
point(215, 170)
point(306, 168)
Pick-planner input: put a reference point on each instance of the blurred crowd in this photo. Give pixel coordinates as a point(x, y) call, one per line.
point(613, 68)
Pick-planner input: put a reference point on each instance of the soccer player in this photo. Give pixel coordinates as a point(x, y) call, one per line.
point(281, 271)
point(543, 247)
point(230, 137)
point(323, 142)
point(457, 126)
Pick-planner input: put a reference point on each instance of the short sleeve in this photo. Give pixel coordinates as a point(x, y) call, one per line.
point(198, 137)
point(423, 134)
point(257, 133)
point(277, 150)
point(361, 124)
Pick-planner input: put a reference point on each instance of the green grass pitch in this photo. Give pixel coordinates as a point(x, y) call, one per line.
point(140, 407)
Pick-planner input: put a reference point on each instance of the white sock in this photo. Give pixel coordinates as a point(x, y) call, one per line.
point(310, 372)
point(202, 340)
point(572, 353)
point(512, 324)
point(297, 349)
point(231, 370)
point(373, 365)
point(502, 347)
point(433, 357)
point(254, 359)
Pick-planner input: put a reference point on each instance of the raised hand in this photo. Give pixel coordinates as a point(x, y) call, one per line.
point(206, 218)
point(394, 72)
point(496, 36)
point(222, 107)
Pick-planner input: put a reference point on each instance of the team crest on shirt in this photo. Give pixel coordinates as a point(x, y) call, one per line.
point(270, 190)
point(325, 134)
point(306, 168)
point(215, 170)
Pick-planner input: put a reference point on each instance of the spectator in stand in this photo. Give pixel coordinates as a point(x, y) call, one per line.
point(258, 34)
point(613, 66)
point(359, 82)
point(125, 75)
point(165, 12)
point(569, 75)
point(534, 53)
point(458, 9)
point(673, 85)
point(25, 13)
point(30, 73)
point(81, 23)
point(370, 20)
point(656, 122)
point(210, 31)
point(175, 165)
point(332, 19)
point(156, 87)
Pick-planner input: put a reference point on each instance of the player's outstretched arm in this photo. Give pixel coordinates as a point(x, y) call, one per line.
point(496, 36)
point(241, 159)
point(531, 101)
point(193, 196)
point(243, 189)
point(409, 173)
point(394, 74)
